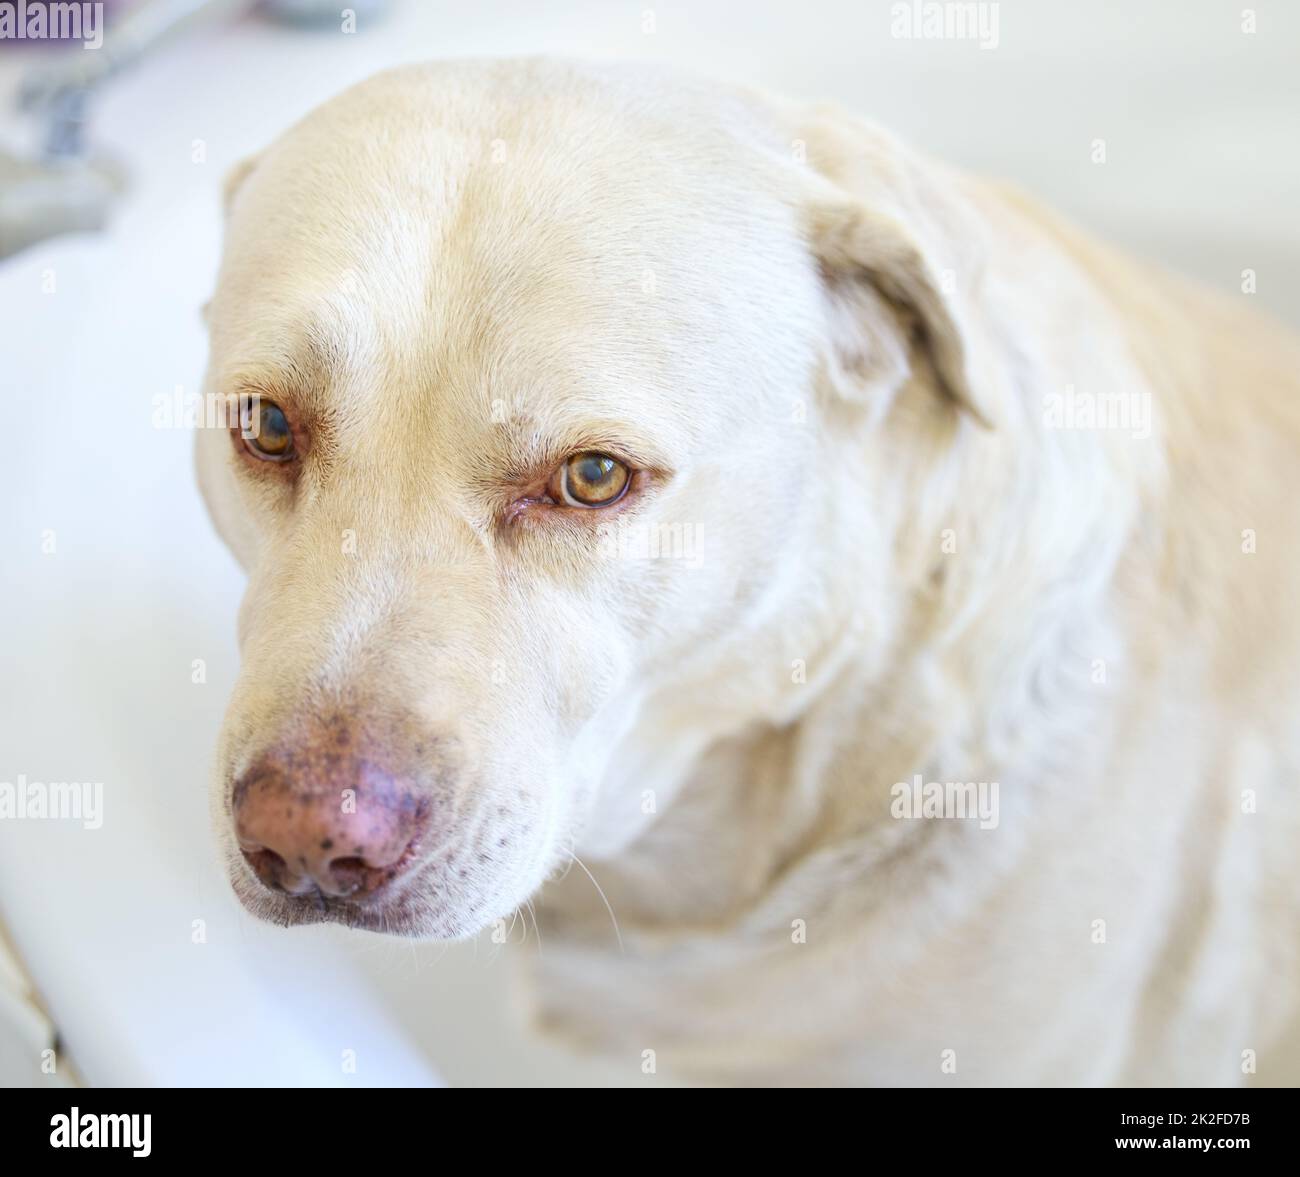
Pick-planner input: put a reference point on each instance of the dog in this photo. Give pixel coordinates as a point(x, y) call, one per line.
point(857, 608)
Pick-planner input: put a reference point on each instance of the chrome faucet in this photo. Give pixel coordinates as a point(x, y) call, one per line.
point(62, 186)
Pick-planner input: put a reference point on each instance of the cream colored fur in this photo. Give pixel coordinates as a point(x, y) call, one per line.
point(839, 355)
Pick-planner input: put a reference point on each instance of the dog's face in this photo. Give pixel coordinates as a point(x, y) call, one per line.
point(526, 444)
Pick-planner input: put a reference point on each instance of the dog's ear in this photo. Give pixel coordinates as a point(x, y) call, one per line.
point(885, 229)
point(235, 180)
point(230, 187)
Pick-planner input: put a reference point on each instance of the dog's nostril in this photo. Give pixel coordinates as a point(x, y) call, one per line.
point(267, 865)
point(358, 872)
point(350, 874)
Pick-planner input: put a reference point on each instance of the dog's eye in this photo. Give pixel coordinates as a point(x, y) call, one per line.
point(593, 480)
point(265, 429)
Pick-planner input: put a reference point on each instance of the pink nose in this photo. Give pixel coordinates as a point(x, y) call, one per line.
point(346, 829)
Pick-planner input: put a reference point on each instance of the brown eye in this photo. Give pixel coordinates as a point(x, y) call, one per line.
point(593, 480)
point(265, 429)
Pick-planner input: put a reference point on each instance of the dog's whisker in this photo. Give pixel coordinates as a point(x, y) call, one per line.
point(536, 927)
point(600, 891)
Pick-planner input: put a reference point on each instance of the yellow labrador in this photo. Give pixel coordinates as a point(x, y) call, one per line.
point(888, 593)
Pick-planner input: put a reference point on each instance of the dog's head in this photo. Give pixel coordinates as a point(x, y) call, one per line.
point(550, 386)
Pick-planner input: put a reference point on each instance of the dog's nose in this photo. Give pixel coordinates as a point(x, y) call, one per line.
point(346, 829)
